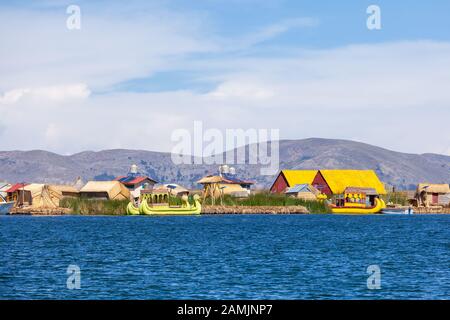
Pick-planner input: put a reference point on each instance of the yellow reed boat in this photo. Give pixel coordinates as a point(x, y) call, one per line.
point(379, 205)
point(358, 201)
point(157, 203)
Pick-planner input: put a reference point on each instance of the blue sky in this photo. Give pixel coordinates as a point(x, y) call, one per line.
point(341, 22)
point(309, 68)
point(336, 23)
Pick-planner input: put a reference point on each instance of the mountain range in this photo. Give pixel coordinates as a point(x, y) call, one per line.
point(402, 170)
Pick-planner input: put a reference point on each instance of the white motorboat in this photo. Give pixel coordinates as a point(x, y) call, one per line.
point(5, 206)
point(401, 210)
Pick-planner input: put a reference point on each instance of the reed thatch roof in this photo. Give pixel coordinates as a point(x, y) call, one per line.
point(176, 188)
point(114, 189)
point(228, 179)
point(433, 188)
point(47, 196)
point(210, 179)
point(64, 188)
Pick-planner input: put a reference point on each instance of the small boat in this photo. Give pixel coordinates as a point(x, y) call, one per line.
point(356, 200)
point(159, 205)
point(379, 204)
point(401, 210)
point(5, 206)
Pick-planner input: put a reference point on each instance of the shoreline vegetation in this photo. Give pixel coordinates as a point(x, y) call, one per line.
point(81, 206)
point(257, 203)
point(399, 198)
point(267, 199)
point(264, 203)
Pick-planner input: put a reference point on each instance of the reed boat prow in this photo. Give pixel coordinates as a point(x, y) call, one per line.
point(132, 209)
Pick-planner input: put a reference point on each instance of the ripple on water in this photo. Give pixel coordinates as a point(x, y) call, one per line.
point(225, 257)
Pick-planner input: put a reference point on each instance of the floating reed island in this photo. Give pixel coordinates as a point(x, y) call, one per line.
point(42, 211)
point(262, 203)
point(292, 192)
point(254, 210)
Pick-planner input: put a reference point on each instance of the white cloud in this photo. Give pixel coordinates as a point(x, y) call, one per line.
point(112, 46)
point(447, 152)
point(269, 32)
point(389, 94)
point(393, 102)
point(46, 94)
point(379, 76)
point(246, 90)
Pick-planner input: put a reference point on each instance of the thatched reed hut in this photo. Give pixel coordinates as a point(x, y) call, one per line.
point(38, 195)
point(433, 194)
point(105, 190)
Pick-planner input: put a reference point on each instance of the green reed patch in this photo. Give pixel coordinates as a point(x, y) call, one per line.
point(269, 199)
point(95, 207)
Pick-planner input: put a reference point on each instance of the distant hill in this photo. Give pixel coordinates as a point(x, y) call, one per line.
point(400, 169)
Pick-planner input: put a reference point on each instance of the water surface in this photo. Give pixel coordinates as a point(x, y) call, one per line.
point(225, 257)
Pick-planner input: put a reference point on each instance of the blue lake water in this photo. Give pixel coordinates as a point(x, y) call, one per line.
point(225, 257)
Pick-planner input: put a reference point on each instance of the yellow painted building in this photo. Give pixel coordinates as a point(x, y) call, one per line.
point(336, 181)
